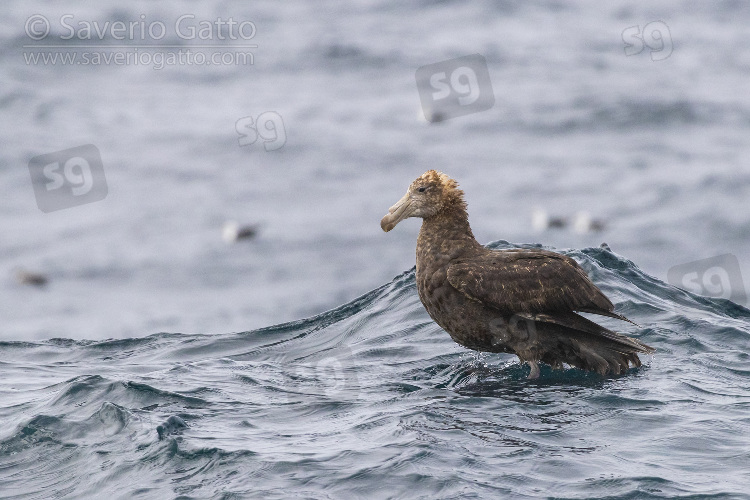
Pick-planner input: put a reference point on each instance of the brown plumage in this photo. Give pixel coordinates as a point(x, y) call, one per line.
point(515, 301)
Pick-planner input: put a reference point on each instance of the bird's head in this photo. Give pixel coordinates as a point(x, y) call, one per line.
point(429, 194)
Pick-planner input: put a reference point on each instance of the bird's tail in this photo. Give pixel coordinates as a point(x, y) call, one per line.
point(593, 356)
point(579, 342)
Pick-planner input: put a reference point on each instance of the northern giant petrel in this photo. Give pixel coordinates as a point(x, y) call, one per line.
point(521, 301)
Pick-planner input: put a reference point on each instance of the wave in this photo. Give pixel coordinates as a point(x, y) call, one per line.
point(344, 393)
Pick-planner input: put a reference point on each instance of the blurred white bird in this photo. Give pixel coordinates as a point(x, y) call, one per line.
point(232, 232)
point(541, 220)
point(583, 223)
point(430, 115)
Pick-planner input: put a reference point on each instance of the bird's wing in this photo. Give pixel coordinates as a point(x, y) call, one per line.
point(529, 281)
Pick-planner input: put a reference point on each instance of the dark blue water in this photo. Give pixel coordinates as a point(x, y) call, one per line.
point(373, 400)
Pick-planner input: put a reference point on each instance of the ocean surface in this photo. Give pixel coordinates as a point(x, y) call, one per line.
point(301, 361)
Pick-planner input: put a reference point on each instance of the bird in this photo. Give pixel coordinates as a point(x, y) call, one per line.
point(519, 301)
point(541, 220)
point(583, 223)
point(232, 232)
point(431, 115)
point(24, 277)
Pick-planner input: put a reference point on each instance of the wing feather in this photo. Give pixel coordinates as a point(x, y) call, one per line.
point(532, 281)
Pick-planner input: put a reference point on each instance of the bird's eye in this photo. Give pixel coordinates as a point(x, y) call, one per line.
point(422, 189)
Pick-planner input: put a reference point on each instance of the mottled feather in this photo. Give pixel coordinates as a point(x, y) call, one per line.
point(527, 281)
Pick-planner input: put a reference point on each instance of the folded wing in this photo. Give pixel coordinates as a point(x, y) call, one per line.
point(542, 286)
point(532, 281)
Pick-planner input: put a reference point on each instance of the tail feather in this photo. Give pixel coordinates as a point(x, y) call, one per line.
point(580, 326)
point(593, 358)
point(589, 347)
point(611, 314)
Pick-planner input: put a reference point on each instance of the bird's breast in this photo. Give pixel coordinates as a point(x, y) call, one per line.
point(442, 301)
